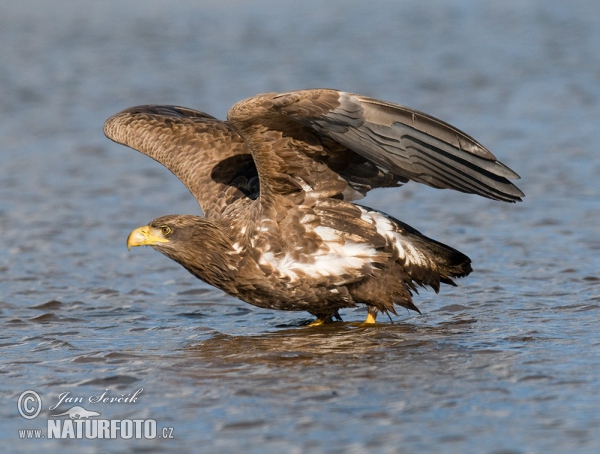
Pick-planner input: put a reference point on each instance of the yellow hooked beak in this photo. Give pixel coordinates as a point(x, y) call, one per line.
point(145, 236)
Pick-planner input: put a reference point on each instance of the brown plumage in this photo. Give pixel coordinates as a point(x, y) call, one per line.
point(276, 183)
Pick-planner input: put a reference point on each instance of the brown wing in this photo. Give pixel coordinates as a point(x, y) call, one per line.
point(345, 133)
point(206, 154)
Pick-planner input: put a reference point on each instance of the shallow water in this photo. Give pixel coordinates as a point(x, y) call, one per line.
point(506, 362)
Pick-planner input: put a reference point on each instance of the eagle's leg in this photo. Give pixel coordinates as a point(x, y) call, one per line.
point(371, 315)
point(328, 318)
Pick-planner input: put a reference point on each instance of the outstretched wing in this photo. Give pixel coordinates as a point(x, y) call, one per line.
point(207, 155)
point(344, 133)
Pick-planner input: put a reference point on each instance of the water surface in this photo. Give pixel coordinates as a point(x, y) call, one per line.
point(506, 362)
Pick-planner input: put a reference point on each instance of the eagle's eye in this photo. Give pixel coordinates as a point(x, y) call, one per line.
point(166, 230)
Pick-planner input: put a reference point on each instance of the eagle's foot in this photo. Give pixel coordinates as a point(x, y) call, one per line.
point(370, 319)
point(328, 318)
point(372, 312)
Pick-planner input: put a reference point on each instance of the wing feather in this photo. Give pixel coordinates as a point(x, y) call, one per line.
point(209, 157)
point(402, 143)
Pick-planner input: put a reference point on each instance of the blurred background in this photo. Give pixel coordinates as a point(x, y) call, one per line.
point(506, 362)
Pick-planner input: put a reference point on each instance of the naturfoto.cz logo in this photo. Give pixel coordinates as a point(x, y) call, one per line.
point(80, 422)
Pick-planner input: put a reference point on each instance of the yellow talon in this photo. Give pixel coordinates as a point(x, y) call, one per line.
point(317, 322)
point(370, 319)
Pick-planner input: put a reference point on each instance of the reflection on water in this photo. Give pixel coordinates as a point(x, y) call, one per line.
point(506, 362)
point(310, 345)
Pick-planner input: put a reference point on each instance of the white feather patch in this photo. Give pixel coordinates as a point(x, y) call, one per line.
point(387, 229)
point(337, 260)
point(328, 234)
